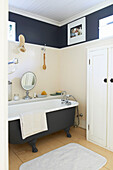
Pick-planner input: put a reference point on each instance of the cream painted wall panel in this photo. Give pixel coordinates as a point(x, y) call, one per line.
point(3, 86)
point(32, 60)
point(73, 74)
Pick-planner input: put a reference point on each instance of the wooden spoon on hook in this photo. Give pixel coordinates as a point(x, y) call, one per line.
point(44, 66)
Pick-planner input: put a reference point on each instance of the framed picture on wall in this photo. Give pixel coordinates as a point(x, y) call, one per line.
point(77, 31)
point(11, 31)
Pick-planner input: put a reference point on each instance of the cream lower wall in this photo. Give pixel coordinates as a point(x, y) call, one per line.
point(73, 68)
point(32, 60)
point(66, 70)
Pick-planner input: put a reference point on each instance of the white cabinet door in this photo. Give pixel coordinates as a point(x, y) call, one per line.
point(110, 100)
point(97, 96)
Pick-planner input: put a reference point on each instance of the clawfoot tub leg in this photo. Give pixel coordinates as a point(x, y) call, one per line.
point(33, 145)
point(68, 133)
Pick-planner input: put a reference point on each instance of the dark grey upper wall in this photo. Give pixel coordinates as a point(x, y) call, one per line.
point(38, 32)
point(92, 25)
point(93, 22)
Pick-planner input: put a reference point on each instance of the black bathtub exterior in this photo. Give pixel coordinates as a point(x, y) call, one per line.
point(56, 120)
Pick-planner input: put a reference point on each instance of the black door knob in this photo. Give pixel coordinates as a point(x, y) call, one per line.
point(105, 80)
point(111, 80)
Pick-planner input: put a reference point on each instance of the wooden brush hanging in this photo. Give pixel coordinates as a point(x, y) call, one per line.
point(44, 57)
point(44, 66)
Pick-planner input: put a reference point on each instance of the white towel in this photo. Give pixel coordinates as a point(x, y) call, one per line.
point(32, 123)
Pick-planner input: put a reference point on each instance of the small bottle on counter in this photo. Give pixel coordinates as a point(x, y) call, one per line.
point(9, 90)
point(35, 95)
point(16, 97)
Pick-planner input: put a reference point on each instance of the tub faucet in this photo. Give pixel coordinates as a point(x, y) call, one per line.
point(65, 98)
point(63, 94)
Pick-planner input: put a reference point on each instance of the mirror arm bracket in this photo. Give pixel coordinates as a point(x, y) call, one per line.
point(27, 96)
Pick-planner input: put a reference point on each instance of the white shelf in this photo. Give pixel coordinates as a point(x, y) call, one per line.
point(13, 102)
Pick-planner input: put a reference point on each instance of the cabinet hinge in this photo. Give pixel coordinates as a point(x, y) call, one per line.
point(88, 127)
point(89, 61)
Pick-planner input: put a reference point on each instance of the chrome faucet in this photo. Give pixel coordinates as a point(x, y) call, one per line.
point(63, 94)
point(65, 98)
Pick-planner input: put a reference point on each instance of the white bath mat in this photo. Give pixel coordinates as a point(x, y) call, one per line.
point(69, 157)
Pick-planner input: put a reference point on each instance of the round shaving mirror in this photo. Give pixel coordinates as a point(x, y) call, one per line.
point(28, 82)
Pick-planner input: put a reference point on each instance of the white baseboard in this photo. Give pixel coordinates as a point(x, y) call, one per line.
point(82, 123)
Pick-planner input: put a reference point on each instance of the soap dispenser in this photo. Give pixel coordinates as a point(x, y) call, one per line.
point(9, 90)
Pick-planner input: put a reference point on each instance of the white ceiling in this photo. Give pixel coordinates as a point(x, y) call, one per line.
point(57, 10)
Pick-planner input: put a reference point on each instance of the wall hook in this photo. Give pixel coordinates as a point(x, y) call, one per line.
point(44, 48)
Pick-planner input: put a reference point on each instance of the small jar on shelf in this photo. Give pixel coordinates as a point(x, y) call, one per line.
point(16, 97)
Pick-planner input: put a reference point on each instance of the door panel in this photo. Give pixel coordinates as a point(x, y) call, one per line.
point(97, 96)
point(110, 101)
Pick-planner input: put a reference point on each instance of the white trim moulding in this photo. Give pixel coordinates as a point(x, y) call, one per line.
point(34, 16)
point(87, 12)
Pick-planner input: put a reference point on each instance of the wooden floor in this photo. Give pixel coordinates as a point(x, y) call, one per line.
point(22, 153)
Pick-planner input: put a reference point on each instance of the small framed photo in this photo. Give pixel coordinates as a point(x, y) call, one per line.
point(77, 31)
point(11, 31)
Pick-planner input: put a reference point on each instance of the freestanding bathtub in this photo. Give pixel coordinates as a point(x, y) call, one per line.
point(59, 117)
